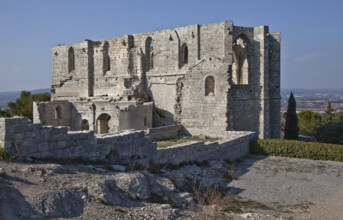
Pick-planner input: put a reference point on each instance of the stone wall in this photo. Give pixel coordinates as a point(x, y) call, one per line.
point(234, 146)
point(165, 132)
point(121, 115)
point(20, 136)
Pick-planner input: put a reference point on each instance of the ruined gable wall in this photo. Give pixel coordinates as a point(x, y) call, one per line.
point(75, 83)
point(207, 113)
point(106, 83)
point(168, 67)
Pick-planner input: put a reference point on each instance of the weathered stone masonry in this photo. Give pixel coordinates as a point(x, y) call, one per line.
point(210, 78)
point(27, 140)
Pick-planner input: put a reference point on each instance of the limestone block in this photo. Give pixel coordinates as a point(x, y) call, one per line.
point(63, 129)
point(61, 144)
point(46, 154)
point(45, 134)
point(75, 136)
point(44, 146)
point(32, 148)
point(37, 126)
point(29, 127)
point(61, 137)
point(93, 142)
point(83, 136)
point(52, 145)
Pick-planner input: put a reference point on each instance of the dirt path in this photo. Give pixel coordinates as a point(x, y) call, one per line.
point(297, 188)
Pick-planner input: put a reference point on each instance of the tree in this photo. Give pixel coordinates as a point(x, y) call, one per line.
point(291, 127)
point(331, 132)
point(309, 122)
point(329, 113)
point(23, 105)
point(5, 113)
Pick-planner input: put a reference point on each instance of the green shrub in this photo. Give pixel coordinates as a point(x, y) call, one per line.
point(298, 149)
point(5, 155)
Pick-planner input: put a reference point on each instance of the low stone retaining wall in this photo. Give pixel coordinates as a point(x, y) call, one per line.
point(164, 132)
point(18, 135)
point(28, 140)
point(232, 147)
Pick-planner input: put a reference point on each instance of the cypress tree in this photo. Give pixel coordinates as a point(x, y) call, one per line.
point(291, 127)
point(329, 113)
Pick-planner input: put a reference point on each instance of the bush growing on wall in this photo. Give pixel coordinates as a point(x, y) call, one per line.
point(298, 149)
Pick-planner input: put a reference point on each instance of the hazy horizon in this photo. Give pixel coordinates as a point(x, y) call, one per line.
point(311, 48)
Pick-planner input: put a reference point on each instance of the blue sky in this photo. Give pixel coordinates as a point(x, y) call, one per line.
point(311, 30)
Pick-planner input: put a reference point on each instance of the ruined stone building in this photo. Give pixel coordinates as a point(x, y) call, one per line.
point(210, 78)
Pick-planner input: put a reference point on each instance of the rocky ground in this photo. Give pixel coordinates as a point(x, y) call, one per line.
point(253, 188)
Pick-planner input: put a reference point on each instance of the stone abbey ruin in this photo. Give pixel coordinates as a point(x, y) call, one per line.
point(212, 79)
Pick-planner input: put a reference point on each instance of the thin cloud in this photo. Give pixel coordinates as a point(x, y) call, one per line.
point(308, 57)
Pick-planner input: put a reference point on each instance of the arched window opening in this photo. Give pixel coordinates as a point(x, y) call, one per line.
point(209, 86)
point(241, 64)
point(183, 55)
point(71, 59)
point(149, 53)
point(58, 114)
point(103, 123)
point(84, 125)
point(106, 57)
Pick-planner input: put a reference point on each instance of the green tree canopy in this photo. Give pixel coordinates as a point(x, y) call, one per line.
point(291, 127)
point(309, 122)
point(23, 105)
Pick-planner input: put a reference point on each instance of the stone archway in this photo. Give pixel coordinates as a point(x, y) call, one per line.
point(102, 123)
point(84, 125)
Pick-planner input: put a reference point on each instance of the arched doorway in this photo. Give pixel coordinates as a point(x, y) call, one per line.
point(102, 123)
point(84, 125)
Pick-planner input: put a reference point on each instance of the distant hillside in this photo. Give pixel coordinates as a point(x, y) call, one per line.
point(6, 97)
point(286, 92)
point(313, 99)
point(308, 94)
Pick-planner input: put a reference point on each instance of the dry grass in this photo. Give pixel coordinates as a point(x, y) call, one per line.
point(215, 204)
point(230, 172)
point(181, 140)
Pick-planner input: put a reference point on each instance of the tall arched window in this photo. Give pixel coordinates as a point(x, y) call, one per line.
point(241, 64)
point(210, 86)
point(58, 114)
point(149, 53)
point(71, 59)
point(106, 57)
point(183, 55)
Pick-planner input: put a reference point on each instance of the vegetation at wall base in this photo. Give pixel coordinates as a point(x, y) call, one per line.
point(5, 155)
point(297, 149)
